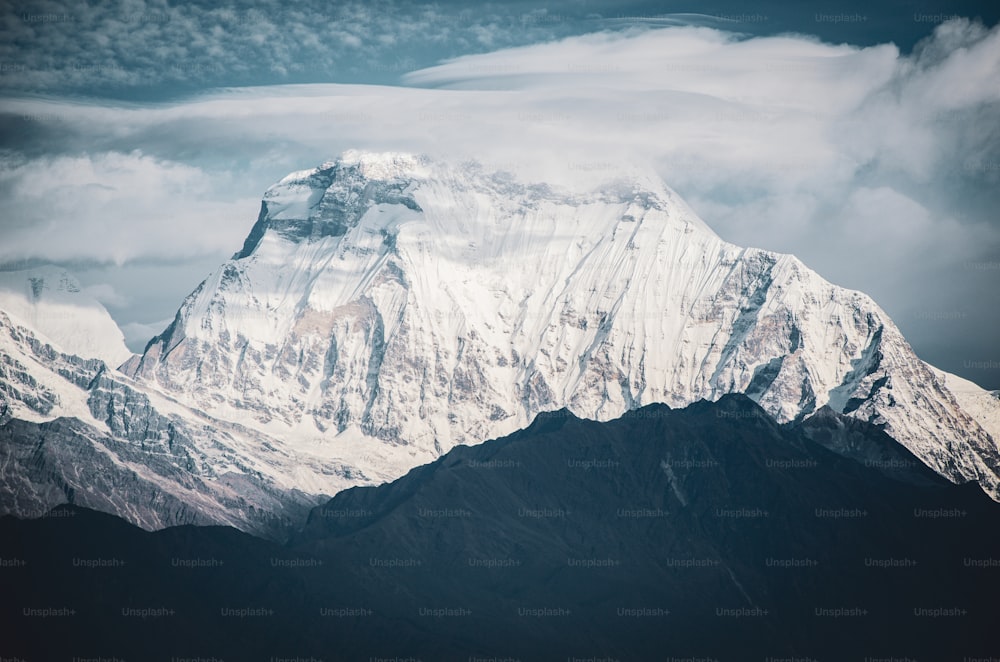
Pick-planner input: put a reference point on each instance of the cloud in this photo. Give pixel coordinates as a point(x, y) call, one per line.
point(158, 45)
point(878, 169)
point(137, 334)
point(788, 124)
point(114, 207)
point(106, 294)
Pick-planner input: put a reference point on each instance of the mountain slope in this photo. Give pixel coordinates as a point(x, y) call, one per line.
point(709, 532)
point(388, 307)
point(73, 430)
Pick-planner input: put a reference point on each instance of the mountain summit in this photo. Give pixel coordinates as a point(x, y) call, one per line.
point(388, 307)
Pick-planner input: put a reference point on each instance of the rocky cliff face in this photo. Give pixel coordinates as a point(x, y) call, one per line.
point(387, 307)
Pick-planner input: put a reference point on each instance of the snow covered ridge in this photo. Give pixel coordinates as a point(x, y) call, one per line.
point(74, 430)
point(387, 307)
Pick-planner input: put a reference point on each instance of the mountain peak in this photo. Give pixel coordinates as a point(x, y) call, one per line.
point(387, 307)
point(329, 200)
point(382, 165)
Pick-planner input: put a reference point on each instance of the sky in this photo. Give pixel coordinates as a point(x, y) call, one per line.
point(137, 138)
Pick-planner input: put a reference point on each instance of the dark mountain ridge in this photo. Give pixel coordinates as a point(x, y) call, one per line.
point(709, 532)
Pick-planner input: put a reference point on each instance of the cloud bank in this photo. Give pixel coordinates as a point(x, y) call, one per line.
point(879, 170)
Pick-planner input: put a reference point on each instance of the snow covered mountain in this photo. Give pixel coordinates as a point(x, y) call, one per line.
point(73, 430)
point(387, 307)
point(49, 300)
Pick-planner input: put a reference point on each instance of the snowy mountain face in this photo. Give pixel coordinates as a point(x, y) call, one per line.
point(387, 307)
point(73, 430)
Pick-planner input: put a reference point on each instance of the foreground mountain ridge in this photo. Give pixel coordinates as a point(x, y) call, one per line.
point(710, 532)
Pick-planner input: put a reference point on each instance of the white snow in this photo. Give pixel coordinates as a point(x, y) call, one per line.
point(44, 378)
point(977, 402)
point(420, 329)
point(50, 301)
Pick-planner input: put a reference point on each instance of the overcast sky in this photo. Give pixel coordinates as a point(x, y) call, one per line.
point(136, 138)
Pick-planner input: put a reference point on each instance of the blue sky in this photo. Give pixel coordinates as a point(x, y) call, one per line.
point(136, 138)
